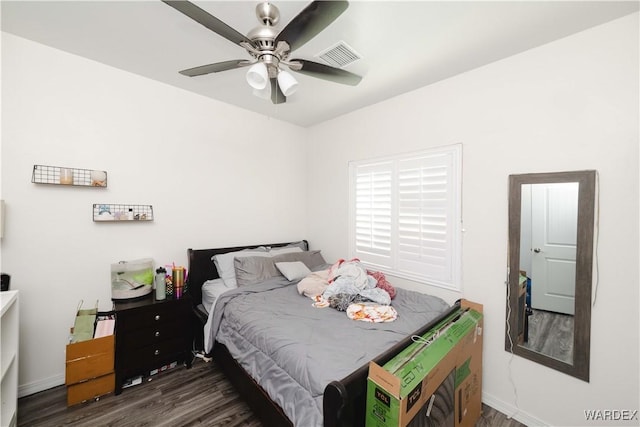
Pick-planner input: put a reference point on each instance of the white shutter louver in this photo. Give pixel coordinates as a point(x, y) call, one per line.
point(423, 219)
point(373, 212)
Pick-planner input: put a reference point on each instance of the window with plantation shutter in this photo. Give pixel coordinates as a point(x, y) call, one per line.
point(405, 216)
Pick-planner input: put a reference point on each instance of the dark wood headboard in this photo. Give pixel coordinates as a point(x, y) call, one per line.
point(201, 267)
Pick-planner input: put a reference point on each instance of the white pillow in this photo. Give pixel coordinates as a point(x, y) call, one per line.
point(287, 250)
point(226, 268)
point(295, 270)
point(211, 290)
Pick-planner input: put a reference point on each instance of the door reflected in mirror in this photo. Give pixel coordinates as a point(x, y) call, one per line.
point(548, 239)
point(550, 245)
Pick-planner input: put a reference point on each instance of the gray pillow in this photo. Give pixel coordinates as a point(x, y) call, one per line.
point(255, 269)
point(311, 259)
point(225, 265)
point(295, 270)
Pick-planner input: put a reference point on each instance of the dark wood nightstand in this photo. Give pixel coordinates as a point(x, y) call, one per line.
point(151, 333)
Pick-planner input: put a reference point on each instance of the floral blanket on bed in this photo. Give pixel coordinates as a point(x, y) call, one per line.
point(349, 283)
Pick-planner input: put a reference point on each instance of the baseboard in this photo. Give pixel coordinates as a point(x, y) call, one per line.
point(511, 411)
point(42, 385)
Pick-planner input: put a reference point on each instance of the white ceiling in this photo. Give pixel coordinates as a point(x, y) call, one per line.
point(403, 45)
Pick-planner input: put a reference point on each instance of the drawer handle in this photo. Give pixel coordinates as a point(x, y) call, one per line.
point(157, 334)
point(157, 317)
point(157, 352)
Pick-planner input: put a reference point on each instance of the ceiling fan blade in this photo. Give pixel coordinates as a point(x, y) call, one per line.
point(205, 18)
point(321, 71)
point(215, 68)
point(312, 20)
point(277, 97)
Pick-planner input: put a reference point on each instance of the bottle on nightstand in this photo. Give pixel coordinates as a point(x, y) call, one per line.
point(160, 283)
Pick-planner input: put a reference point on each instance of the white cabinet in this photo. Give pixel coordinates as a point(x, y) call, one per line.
point(9, 358)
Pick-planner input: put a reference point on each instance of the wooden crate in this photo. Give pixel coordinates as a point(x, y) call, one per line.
point(91, 389)
point(89, 369)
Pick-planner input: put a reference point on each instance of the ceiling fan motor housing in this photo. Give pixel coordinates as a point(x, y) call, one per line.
point(267, 13)
point(263, 36)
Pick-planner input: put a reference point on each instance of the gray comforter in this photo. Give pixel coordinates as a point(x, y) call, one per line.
point(293, 350)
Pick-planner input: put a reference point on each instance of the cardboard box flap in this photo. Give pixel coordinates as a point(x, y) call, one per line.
point(390, 382)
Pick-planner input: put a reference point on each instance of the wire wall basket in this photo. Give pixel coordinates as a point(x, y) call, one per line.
point(109, 212)
point(68, 176)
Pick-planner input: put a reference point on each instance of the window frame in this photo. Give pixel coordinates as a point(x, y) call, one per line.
point(453, 218)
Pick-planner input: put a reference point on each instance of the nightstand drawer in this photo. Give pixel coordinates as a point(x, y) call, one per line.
point(156, 315)
point(152, 354)
point(147, 336)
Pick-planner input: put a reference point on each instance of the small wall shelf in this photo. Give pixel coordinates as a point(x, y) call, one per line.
point(109, 212)
point(68, 176)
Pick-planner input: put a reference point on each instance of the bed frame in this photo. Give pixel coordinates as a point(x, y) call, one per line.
point(344, 401)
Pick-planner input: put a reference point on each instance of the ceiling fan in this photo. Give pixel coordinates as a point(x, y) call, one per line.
point(270, 47)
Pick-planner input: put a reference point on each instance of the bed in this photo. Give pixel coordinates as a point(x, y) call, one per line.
point(325, 381)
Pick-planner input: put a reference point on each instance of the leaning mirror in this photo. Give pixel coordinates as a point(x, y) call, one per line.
point(551, 233)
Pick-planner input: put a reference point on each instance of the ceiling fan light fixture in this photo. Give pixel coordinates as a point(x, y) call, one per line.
point(263, 93)
point(288, 84)
point(257, 76)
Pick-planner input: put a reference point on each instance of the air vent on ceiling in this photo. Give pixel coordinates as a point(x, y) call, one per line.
point(340, 55)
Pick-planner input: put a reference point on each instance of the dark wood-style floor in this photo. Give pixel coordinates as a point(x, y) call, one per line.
point(551, 334)
point(200, 396)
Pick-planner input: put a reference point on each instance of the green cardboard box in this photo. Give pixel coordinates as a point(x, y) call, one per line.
point(438, 377)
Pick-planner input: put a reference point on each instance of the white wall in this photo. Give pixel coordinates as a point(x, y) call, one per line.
point(211, 182)
point(568, 105)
